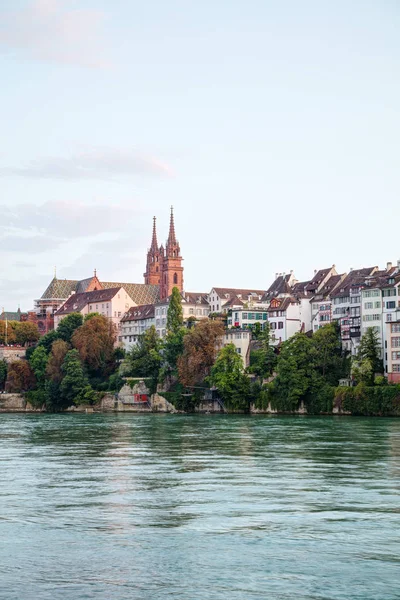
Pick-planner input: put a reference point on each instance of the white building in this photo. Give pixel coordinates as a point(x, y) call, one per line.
point(112, 303)
point(135, 323)
point(241, 339)
point(288, 316)
point(393, 347)
point(246, 318)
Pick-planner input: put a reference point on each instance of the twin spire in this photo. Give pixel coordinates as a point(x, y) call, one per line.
point(171, 236)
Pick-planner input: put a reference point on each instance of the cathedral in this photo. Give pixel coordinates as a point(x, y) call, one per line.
point(164, 271)
point(164, 265)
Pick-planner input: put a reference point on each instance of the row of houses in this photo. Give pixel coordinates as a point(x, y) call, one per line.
point(358, 300)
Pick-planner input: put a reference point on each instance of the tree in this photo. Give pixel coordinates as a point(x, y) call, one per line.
point(26, 333)
point(68, 325)
point(145, 358)
point(263, 360)
point(38, 362)
point(228, 377)
point(74, 381)
point(175, 313)
point(55, 362)
point(20, 377)
point(201, 344)
point(370, 349)
point(3, 373)
point(95, 342)
point(47, 340)
point(327, 355)
point(7, 332)
point(295, 372)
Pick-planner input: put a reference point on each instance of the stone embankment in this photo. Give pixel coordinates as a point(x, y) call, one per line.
point(15, 403)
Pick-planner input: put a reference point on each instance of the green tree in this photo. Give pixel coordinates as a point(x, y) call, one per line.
point(145, 358)
point(327, 355)
point(295, 373)
point(74, 381)
point(370, 349)
point(175, 313)
point(228, 377)
point(3, 373)
point(68, 325)
point(38, 362)
point(55, 362)
point(263, 360)
point(7, 332)
point(47, 340)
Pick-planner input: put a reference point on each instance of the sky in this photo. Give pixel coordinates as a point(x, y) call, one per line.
point(273, 128)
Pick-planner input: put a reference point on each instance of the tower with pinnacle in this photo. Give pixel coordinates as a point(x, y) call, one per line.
point(164, 265)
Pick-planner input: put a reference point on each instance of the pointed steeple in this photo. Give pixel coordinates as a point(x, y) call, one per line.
point(154, 244)
point(171, 237)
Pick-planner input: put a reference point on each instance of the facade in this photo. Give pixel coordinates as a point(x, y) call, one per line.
point(321, 302)
point(393, 347)
point(135, 322)
point(288, 316)
point(246, 319)
point(241, 339)
point(194, 307)
point(164, 266)
point(112, 303)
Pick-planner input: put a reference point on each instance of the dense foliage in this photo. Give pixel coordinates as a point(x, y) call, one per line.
point(16, 332)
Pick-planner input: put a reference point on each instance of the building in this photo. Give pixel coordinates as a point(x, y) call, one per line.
point(13, 316)
point(11, 353)
point(164, 266)
point(346, 307)
point(287, 316)
point(246, 319)
point(321, 302)
point(393, 347)
point(220, 299)
point(112, 303)
point(135, 322)
point(195, 307)
point(241, 339)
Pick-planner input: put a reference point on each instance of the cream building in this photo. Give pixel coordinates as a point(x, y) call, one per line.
point(194, 308)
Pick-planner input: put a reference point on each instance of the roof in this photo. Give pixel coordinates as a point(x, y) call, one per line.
point(279, 286)
point(284, 303)
point(141, 293)
point(77, 302)
point(11, 316)
point(318, 278)
point(329, 286)
point(300, 289)
point(234, 301)
point(227, 293)
point(189, 298)
point(355, 278)
point(137, 313)
point(61, 289)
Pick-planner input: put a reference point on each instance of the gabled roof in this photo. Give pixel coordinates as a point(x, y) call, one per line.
point(279, 286)
point(355, 278)
point(59, 289)
point(227, 293)
point(77, 302)
point(318, 278)
point(332, 283)
point(194, 297)
point(141, 293)
point(234, 301)
point(284, 303)
point(137, 313)
point(299, 290)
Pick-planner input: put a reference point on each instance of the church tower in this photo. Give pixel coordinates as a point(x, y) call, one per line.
point(172, 269)
point(154, 260)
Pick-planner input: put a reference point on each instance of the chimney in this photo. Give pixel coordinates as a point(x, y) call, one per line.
point(315, 271)
point(276, 275)
point(388, 266)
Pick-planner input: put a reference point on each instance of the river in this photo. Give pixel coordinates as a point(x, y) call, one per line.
point(149, 507)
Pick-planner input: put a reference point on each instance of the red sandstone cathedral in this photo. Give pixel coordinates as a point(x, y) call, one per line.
point(163, 272)
point(164, 266)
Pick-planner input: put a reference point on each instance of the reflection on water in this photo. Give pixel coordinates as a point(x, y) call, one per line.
point(205, 507)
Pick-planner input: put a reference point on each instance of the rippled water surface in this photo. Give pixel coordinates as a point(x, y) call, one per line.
point(205, 507)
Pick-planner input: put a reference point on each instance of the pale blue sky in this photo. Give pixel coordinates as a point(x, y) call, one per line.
point(272, 127)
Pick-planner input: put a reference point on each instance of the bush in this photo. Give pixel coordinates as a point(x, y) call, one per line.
point(369, 401)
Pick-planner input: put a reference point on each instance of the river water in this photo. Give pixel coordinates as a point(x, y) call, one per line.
point(151, 507)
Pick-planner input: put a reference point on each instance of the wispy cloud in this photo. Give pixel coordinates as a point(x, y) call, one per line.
point(108, 164)
point(47, 30)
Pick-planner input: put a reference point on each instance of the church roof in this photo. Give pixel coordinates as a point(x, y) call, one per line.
point(141, 293)
point(11, 315)
point(59, 289)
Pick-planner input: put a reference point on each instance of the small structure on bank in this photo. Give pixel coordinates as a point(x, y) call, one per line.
point(138, 394)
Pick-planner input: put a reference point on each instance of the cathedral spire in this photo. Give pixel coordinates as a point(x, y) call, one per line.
point(154, 244)
point(171, 237)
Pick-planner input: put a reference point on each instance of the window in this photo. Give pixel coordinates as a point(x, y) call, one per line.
point(387, 293)
point(191, 311)
point(391, 304)
point(396, 355)
point(395, 341)
point(374, 317)
point(239, 350)
point(273, 326)
point(259, 316)
point(388, 318)
point(244, 316)
point(280, 325)
point(368, 305)
point(175, 278)
point(90, 307)
point(395, 368)
point(238, 336)
point(97, 307)
point(252, 316)
point(264, 316)
point(395, 328)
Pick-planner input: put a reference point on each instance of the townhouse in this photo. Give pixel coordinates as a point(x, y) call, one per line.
point(195, 307)
point(135, 322)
